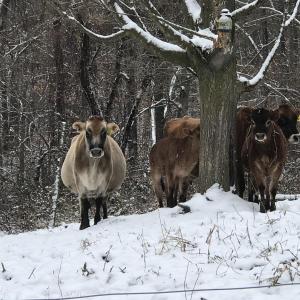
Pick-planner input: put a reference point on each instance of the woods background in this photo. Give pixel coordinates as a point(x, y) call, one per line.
point(50, 72)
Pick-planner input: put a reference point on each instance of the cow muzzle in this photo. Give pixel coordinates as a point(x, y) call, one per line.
point(260, 137)
point(96, 153)
point(294, 138)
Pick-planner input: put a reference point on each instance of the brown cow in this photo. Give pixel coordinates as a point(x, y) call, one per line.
point(263, 154)
point(287, 122)
point(174, 128)
point(94, 166)
point(171, 162)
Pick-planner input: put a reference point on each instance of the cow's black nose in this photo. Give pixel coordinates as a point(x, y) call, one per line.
point(260, 136)
point(96, 152)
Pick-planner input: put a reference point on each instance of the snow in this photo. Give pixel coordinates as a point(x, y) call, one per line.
point(223, 242)
point(194, 10)
point(130, 25)
point(244, 8)
point(293, 15)
point(261, 73)
point(91, 33)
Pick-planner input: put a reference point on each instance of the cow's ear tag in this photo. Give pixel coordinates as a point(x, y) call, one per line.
point(298, 118)
point(108, 131)
point(112, 128)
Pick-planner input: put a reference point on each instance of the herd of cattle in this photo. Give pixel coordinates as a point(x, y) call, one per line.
point(95, 166)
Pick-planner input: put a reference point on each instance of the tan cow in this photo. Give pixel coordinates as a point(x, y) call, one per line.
point(94, 166)
point(172, 161)
point(175, 127)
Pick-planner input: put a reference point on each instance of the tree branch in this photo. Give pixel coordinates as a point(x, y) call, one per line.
point(194, 9)
point(245, 9)
point(260, 75)
point(168, 51)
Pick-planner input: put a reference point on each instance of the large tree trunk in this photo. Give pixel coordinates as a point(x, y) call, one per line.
point(218, 100)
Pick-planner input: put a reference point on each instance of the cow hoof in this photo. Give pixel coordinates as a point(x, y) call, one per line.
point(83, 226)
point(262, 209)
point(96, 220)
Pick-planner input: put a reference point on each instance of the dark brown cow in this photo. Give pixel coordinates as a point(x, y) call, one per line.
point(94, 166)
point(287, 122)
point(171, 162)
point(263, 154)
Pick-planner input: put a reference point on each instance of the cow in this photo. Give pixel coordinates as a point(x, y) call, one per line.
point(263, 155)
point(94, 166)
point(288, 123)
point(172, 160)
point(174, 128)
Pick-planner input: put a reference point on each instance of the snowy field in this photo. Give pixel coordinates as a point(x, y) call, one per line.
point(221, 243)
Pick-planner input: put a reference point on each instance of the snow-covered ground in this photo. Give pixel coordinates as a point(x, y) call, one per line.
point(221, 243)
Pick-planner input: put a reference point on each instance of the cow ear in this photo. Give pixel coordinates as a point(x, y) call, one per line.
point(298, 113)
point(78, 126)
point(112, 128)
point(275, 115)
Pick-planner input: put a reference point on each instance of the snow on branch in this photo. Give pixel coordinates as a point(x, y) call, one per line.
point(170, 32)
point(169, 51)
point(245, 8)
point(194, 10)
point(293, 15)
point(93, 34)
point(280, 13)
point(132, 26)
point(260, 75)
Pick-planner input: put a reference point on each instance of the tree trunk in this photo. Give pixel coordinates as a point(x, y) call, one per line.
point(218, 100)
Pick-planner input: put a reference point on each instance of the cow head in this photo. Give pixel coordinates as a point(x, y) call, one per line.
point(96, 131)
point(288, 123)
point(261, 122)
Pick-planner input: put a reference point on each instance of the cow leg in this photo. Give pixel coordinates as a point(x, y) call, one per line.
point(240, 178)
point(104, 207)
point(97, 217)
point(158, 187)
point(184, 189)
point(84, 213)
point(170, 194)
point(263, 204)
point(273, 200)
point(250, 189)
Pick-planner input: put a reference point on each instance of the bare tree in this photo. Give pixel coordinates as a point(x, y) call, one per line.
point(208, 50)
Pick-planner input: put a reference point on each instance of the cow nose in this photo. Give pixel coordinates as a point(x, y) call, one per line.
point(96, 152)
point(260, 136)
point(294, 138)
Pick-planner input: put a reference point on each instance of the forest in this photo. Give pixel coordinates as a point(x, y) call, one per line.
point(63, 61)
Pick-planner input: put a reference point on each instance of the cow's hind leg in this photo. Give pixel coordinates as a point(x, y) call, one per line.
point(158, 187)
point(183, 192)
point(84, 213)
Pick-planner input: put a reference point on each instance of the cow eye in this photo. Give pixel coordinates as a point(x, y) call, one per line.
point(268, 123)
point(103, 132)
point(88, 132)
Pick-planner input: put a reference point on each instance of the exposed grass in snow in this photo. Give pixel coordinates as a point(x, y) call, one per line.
point(225, 242)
